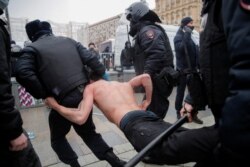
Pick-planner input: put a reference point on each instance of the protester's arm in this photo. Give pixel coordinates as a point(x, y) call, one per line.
point(77, 115)
point(145, 81)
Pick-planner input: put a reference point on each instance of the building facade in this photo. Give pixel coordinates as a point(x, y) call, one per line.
point(103, 30)
point(74, 30)
point(172, 11)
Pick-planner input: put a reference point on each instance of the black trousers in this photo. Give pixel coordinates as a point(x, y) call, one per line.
point(180, 93)
point(59, 127)
point(24, 158)
point(182, 146)
point(159, 102)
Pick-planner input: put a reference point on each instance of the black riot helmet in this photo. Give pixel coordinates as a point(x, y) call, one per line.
point(136, 11)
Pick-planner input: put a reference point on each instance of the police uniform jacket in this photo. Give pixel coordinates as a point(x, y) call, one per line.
point(153, 47)
point(54, 66)
point(235, 123)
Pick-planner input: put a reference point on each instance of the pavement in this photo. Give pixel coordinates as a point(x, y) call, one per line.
point(36, 121)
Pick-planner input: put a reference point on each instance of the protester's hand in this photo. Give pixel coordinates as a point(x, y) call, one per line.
point(51, 102)
point(187, 29)
point(19, 143)
point(187, 109)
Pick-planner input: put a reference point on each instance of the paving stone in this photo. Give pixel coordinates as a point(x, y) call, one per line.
point(88, 159)
point(123, 148)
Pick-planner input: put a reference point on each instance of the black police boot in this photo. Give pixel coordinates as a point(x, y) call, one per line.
point(75, 163)
point(113, 160)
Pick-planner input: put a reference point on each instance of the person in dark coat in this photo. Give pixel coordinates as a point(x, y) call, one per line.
point(235, 119)
point(16, 149)
point(153, 52)
point(126, 56)
point(184, 39)
point(224, 47)
point(55, 66)
point(94, 50)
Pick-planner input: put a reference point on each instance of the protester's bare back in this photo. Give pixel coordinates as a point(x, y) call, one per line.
point(115, 99)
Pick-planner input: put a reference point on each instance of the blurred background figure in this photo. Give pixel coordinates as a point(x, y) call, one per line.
point(94, 50)
point(187, 60)
point(15, 54)
point(126, 56)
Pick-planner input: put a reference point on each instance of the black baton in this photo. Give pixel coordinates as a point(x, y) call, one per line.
point(165, 133)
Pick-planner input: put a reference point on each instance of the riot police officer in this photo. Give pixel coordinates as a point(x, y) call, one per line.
point(55, 66)
point(15, 147)
point(152, 52)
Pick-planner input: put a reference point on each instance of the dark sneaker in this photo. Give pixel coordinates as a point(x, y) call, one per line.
point(197, 120)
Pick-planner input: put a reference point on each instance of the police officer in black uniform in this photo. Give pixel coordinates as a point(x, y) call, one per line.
point(235, 118)
point(16, 149)
point(152, 52)
point(55, 66)
point(224, 46)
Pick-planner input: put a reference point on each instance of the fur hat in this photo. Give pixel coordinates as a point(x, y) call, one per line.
point(36, 28)
point(185, 21)
point(46, 26)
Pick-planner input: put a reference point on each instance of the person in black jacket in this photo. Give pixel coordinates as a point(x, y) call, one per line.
point(182, 40)
point(152, 52)
point(15, 147)
point(94, 50)
point(55, 66)
point(235, 119)
point(126, 58)
point(225, 70)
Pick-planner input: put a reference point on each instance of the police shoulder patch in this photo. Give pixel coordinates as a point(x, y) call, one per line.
point(150, 34)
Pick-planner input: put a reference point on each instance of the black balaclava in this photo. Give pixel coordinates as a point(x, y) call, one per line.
point(185, 21)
